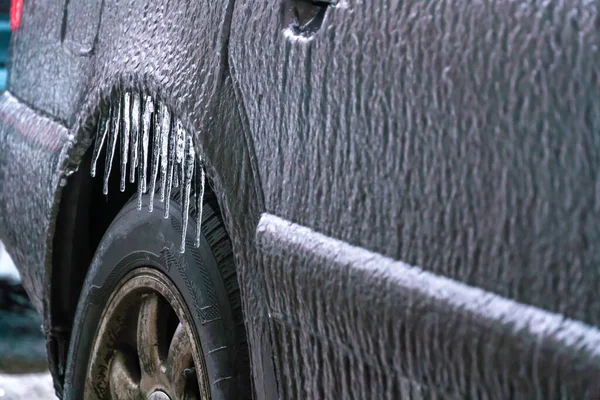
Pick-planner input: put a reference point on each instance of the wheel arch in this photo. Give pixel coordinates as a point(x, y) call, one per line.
point(187, 69)
point(85, 212)
point(178, 57)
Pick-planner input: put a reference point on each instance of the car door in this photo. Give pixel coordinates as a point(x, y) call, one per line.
point(459, 137)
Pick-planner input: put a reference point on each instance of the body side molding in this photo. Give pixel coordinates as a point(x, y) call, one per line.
point(406, 329)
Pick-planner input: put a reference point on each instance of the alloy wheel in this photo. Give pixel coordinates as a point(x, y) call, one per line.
point(145, 346)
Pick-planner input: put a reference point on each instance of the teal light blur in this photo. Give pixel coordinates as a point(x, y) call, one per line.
point(4, 44)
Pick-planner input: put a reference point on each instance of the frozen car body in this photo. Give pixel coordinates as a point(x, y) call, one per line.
point(460, 137)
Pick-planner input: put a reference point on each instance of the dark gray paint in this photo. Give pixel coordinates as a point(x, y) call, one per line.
point(460, 136)
point(42, 73)
point(34, 151)
point(352, 324)
point(457, 136)
point(175, 53)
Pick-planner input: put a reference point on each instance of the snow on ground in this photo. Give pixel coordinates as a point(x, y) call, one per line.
point(26, 387)
point(7, 267)
point(32, 386)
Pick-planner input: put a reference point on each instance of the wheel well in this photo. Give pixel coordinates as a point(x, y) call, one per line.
point(85, 213)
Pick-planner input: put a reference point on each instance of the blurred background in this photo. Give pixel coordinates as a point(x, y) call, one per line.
point(23, 368)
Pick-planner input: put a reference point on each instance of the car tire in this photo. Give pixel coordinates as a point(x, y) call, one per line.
point(204, 277)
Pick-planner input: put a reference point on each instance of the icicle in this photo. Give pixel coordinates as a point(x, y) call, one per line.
point(135, 130)
point(125, 137)
point(181, 140)
point(182, 177)
point(180, 151)
point(113, 135)
point(171, 165)
point(199, 201)
point(165, 133)
point(176, 175)
point(144, 143)
point(99, 142)
point(140, 185)
point(173, 153)
point(154, 164)
point(186, 183)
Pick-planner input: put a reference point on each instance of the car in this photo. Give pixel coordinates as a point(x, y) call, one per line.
point(334, 199)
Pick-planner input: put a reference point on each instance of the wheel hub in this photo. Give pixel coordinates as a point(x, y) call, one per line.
point(158, 395)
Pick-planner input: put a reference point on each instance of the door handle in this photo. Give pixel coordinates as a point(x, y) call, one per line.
point(304, 17)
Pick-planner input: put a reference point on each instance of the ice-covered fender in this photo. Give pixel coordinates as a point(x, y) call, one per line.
point(66, 54)
point(174, 51)
point(33, 150)
point(41, 73)
point(462, 137)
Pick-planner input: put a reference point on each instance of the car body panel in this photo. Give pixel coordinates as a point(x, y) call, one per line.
point(457, 137)
point(351, 323)
point(174, 53)
point(42, 74)
point(460, 137)
point(34, 151)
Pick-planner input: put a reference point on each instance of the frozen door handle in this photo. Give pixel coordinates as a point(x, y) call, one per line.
point(304, 17)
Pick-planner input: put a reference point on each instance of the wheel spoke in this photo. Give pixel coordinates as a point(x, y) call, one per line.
point(145, 346)
point(179, 358)
point(123, 385)
point(148, 337)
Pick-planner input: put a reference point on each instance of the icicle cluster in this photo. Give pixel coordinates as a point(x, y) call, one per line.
point(136, 119)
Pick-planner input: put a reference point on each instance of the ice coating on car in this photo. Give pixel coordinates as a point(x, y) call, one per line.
point(173, 153)
point(459, 136)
